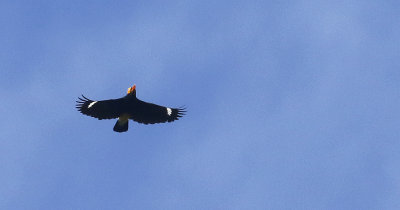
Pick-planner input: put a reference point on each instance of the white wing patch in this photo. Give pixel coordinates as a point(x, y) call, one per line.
point(169, 111)
point(91, 104)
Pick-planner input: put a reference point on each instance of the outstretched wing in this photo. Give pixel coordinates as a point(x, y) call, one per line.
point(107, 109)
point(148, 113)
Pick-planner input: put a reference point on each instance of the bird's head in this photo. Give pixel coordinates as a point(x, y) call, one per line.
point(131, 90)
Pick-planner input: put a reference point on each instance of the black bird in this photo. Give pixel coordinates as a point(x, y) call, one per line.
point(128, 107)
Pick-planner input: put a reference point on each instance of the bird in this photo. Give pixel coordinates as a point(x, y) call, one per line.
point(128, 108)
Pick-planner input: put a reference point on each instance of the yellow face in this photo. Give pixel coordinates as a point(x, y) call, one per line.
point(131, 89)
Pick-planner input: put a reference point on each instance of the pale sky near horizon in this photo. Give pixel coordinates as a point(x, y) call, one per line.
point(291, 104)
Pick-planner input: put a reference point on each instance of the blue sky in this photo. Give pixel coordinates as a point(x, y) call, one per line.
point(291, 105)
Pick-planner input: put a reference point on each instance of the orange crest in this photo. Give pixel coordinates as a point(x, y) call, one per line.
point(131, 89)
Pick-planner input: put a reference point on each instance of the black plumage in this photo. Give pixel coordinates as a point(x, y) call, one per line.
point(128, 107)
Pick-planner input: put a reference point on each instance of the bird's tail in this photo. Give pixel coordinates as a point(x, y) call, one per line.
point(121, 126)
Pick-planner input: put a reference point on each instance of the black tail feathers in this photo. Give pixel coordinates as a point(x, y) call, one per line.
point(121, 126)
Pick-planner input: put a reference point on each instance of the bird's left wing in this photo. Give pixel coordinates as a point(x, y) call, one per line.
point(148, 113)
point(107, 109)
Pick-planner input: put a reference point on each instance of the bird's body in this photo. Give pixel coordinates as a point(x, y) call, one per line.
point(128, 107)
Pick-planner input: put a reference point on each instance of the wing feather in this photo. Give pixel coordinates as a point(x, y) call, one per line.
point(107, 109)
point(148, 113)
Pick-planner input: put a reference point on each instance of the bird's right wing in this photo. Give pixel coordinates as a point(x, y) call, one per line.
point(107, 109)
point(148, 113)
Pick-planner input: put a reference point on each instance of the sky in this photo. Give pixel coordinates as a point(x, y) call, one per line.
point(291, 104)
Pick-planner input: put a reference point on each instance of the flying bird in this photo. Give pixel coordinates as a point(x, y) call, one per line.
point(128, 107)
